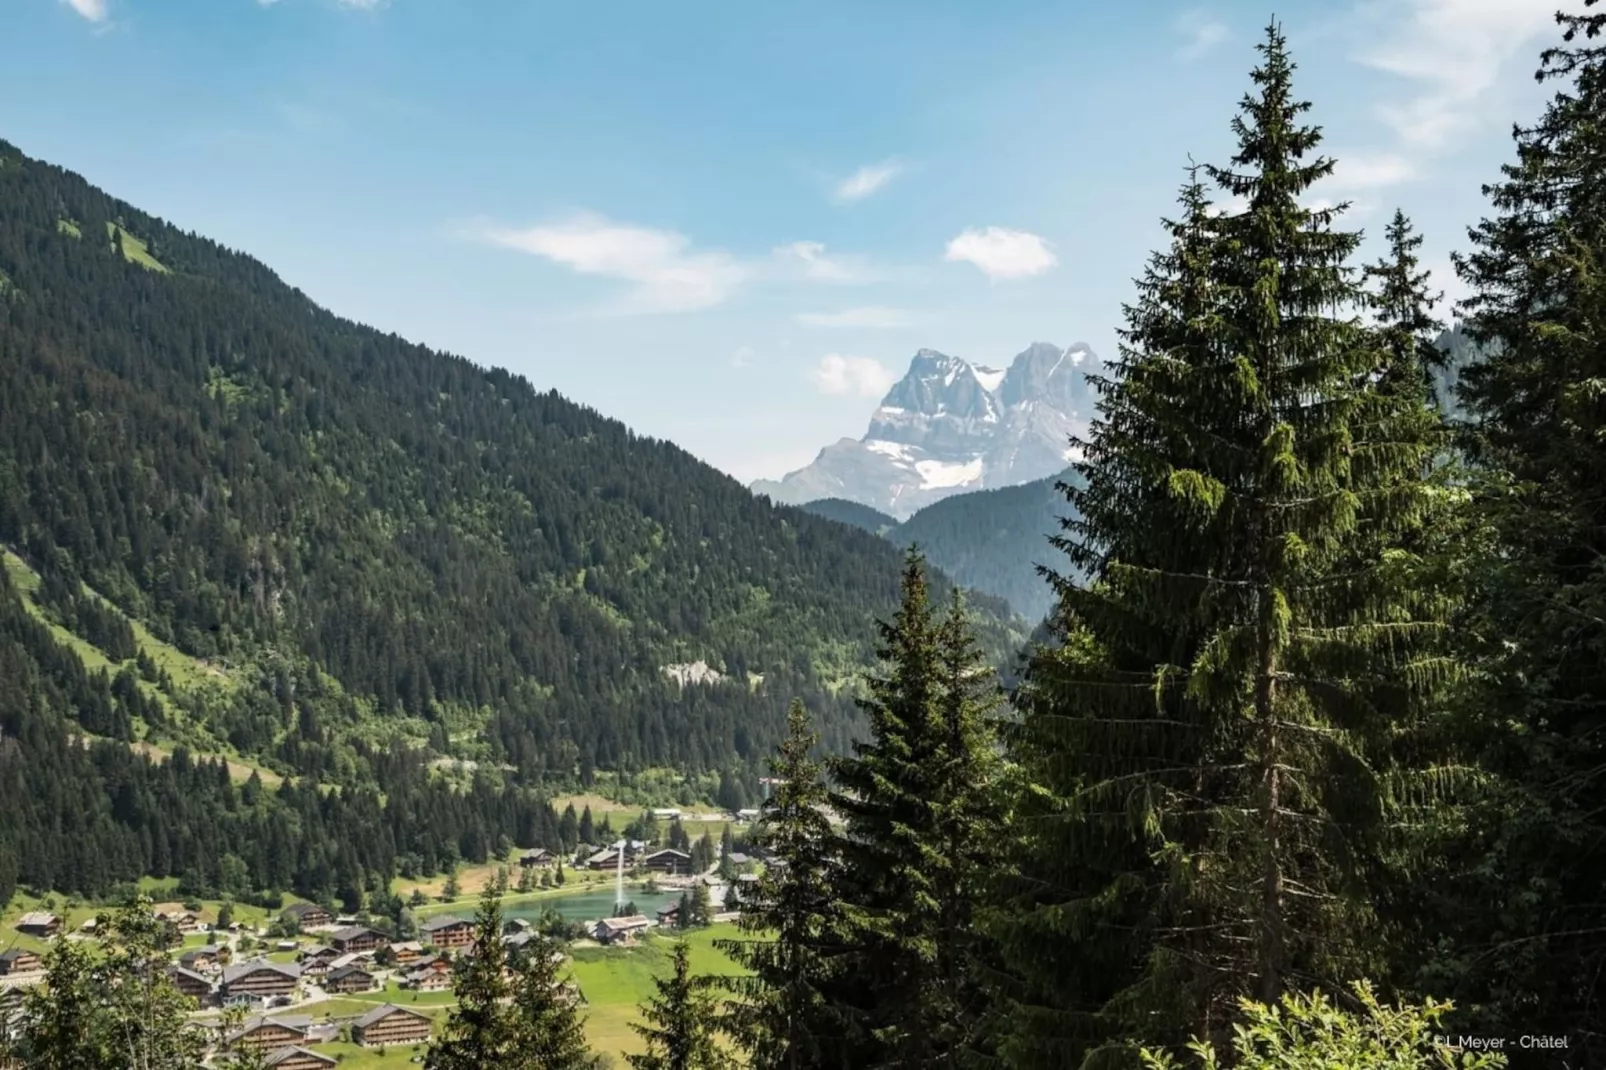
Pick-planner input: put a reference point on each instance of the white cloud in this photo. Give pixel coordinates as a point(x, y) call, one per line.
point(859, 376)
point(1375, 170)
point(1002, 253)
point(817, 266)
point(867, 180)
point(1230, 206)
point(874, 317)
point(742, 357)
point(1455, 51)
point(1202, 32)
point(93, 10)
point(669, 276)
point(363, 5)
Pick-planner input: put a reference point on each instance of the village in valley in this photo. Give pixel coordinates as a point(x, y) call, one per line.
point(308, 987)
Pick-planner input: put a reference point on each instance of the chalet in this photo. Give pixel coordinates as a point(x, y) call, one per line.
point(202, 959)
point(737, 858)
point(428, 980)
point(746, 816)
point(298, 1058)
point(39, 923)
point(669, 814)
point(18, 961)
point(406, 952)
point(190, 983)
point(669, 915)
point(180, 917)
point(259, 980)
point(348, 979)
point(390, 1024)
point(310, 915)
point(447, 931)
point(315, 961)
point(10, 1022)
point(539, 856)
point(354, 938)
point(607, 858)
point(267, 1032)
point(620, 930)
point(668, 861)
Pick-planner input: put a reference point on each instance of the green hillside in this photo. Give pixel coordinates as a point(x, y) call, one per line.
point(993, 541)
point(238, 525)
point(852, 513)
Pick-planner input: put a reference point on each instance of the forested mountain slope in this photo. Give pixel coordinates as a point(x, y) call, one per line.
point(990, 541)
point(993, 541)
point(327, 547)
point(845, 512)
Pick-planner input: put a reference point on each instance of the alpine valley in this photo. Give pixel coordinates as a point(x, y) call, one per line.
point(413, 596)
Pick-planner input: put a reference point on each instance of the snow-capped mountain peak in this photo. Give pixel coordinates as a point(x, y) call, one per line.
point(949, 426)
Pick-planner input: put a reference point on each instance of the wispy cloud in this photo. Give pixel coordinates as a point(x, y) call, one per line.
point(855, 376)
point(1454, 52)
point(817, 265)
point(867, 180)
point(1201, 33)
point(873, 318)
point(1002, 253)
point(742, 357)
point(363, 5)
point(93, 10)
point(667, 273)
point(1371, 170)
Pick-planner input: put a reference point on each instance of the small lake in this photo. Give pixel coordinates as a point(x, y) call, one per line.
point(591, 904)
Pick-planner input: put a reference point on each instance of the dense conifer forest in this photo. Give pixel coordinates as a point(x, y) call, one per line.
point(1307, 769)
point(235, 523)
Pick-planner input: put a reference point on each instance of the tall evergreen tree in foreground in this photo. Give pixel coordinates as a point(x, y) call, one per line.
point(921, 822)
point(679, 1023)
point(791, 923)
point(551, 1033)
point(1215, 735)
point(1538, 411)
point(482, 1030)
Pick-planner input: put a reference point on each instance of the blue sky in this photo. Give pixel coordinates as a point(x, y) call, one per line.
point(731, 224)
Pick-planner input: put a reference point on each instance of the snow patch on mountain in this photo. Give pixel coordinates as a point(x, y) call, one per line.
point(948, 473)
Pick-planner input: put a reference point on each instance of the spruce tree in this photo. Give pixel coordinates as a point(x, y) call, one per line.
point(791, 922)
point(550, 1030)
point(1538, 441)
point(678, 1023)
point(481, 1030)
point(920, 821)
point(1214, 769)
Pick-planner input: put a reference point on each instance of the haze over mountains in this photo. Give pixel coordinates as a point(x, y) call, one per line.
point(950, 426)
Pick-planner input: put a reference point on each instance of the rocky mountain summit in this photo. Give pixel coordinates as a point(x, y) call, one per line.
point(950, 426)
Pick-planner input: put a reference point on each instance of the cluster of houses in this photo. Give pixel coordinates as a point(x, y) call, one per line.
point(637, 855)
point(345, 962)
